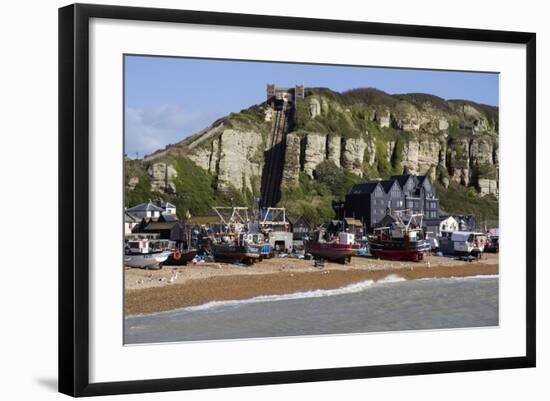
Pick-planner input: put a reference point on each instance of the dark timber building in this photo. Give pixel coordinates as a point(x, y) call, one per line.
point(369, 201)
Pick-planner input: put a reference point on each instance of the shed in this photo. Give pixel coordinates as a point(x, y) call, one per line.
point(167, 230)
point(301, 227)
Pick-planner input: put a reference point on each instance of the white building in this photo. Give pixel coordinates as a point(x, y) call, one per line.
point(448, 224)
point(145, 210)
point(129, 223)
point(167, 207)
point(441, 226)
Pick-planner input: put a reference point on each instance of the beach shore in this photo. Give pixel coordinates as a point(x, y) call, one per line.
point(148, 291)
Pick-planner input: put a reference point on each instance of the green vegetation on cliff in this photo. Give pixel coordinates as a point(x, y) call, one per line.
point(313, 198)
point(195, 189)
point(458, 199)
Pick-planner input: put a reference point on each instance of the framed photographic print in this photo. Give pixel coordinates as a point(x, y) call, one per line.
point(250, 199)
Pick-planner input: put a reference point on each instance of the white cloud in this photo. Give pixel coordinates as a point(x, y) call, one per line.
point(149, 130)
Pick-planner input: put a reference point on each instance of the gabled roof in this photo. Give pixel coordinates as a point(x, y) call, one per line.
point(422, 178)
point(364, 188)
point(387, 184)
point(144, 207)
point(129, 218)
point(401, 179)
point(294, 220)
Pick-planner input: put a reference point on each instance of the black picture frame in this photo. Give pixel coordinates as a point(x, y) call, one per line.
point(74, 200)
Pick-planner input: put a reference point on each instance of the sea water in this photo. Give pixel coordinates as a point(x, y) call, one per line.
point(386, 305)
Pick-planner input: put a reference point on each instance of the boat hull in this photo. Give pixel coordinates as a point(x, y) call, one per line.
point(244, 253)
point(329, 250)
point(266, 251)
point(146, 260)
point(397, 250)
point(179, 258)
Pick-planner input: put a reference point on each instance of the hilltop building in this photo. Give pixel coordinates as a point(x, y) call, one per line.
point(369, 201)
point(278, 94)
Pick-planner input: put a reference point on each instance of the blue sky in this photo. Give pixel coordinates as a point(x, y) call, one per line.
point(168, 99)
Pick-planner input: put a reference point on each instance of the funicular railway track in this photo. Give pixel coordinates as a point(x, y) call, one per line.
point(275, 156)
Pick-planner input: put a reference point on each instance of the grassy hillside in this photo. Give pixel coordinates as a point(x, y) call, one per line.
point(194, 186)
point(458, 199)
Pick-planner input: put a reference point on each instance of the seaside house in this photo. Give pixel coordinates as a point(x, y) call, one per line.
point(171, 230)
point(130, 222)
point(369, 201)
point(442, 225)
point(145, 210)
point(301, 228)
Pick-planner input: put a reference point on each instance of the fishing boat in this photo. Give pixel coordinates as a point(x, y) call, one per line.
point(181, 257)
point(402, 240)
point(241, 239)
point(235, 248)
point(339, 249)
point(264, 248)
point(146, 254)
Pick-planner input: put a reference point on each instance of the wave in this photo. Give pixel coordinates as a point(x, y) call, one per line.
point(392, 278)
point(477, 277)
point(458, 278)
point(348, 289)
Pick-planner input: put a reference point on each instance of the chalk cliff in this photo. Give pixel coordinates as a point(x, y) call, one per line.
point(364, 133)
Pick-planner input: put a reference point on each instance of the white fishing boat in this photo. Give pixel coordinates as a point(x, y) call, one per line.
point(146, 254)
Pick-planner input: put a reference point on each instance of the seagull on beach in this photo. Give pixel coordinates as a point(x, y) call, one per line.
point(174, 277)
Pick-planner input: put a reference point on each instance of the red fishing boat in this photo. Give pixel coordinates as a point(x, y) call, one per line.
point(338, 249)
point(401, 240)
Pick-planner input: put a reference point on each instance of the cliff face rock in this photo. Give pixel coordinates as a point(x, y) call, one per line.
point(420, 156)
point(314, 107)
point(162, 177)
point(238, 163)
point(406, 117)
point(364, 132)
point(291, 172)
point(487, 186)
point(353, 155)
point(334, 149)
point(315, 151)
point(383, 118)
point(203, 157)
point(132, 183)
point(459, 161)
point(481, 152)
point(370, 151)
